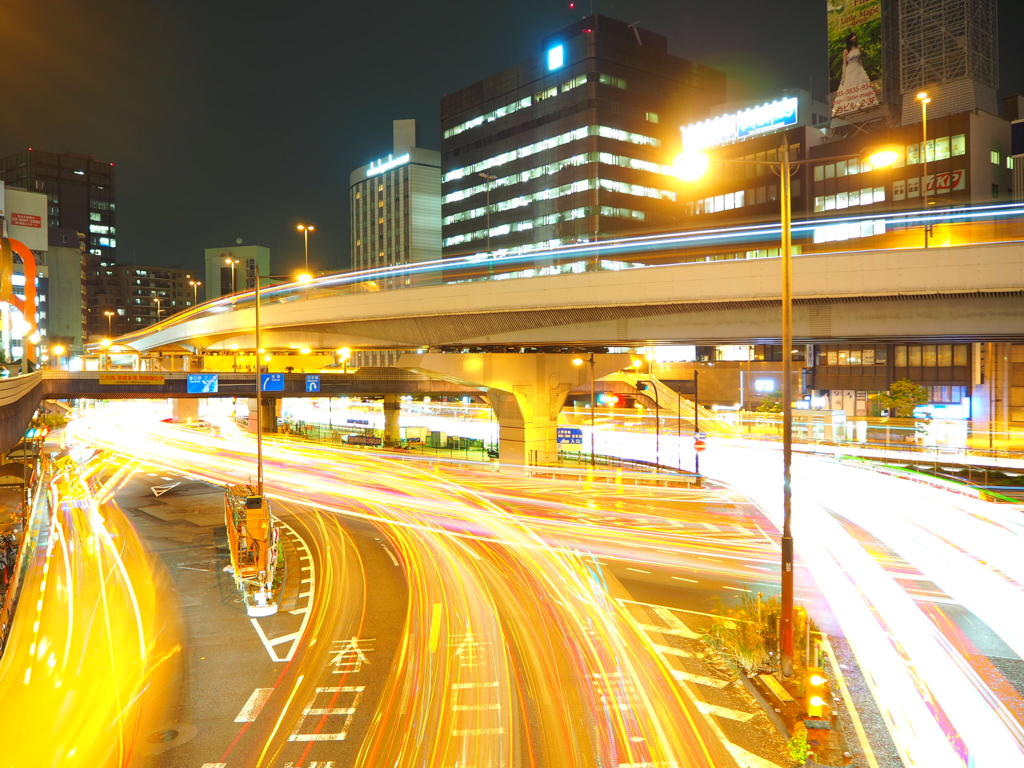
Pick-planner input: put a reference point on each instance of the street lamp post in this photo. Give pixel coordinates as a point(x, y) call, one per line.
point(232, 262)
point(690, 166)
point(157, 299)
point(195, 290)
point(110, 320)
point(657, 421)
point(259, 393)
point(305, 229)
point(925, 101)
point(593, 426)
point(487, 205)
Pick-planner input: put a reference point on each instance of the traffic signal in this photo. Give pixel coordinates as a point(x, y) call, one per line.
point(817, 691)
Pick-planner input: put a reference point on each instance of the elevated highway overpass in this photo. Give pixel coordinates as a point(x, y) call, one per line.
point(968, 292)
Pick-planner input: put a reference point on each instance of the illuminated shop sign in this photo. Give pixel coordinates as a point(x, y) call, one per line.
point(556, 57)
point(737, 126)
point(382, 165)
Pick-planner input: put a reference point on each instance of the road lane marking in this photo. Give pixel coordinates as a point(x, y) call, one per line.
point(728, 714)
point(435, 627)
point(711, 682)
point(214, 765)
point(346, 712)
point(862, 736)
point(253, 706)
point(736, 589)
point(680, 578)
point(671, 650)
point(675, 623)
point(637, 570)
point(293, 637)
point(349, 657)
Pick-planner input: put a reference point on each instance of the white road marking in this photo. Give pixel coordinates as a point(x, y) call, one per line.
point(253, 706)
point(305, 612)
point(675, 623)
point(637, 570)
point(347, 712)
point(729, 714)
point(711, 682)
point(862, 736)
point(669, 650)
point(215, 765)
point(680, 578)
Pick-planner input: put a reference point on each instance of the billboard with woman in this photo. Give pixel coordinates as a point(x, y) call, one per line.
point(854, 55)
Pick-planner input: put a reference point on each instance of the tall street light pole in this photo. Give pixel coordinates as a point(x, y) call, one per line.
point(195, 290)
point(690, 166)
point(110, 321)
point(487, 208)
point(925, 101)
point(259, 393)
point(657, 420)
point(305, 229)
point(593, 427)
point(232, 262)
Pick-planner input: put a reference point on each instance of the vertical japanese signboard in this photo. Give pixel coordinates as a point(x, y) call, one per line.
point(854, 55)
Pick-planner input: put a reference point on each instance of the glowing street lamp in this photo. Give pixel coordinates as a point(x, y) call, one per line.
point(691, 166)
point(58, 350)
point(195, 290)
point(344, 354)
point(232, 262)
point(305, 229)
point(925, 101)
point(110, 319)
point(590, 360)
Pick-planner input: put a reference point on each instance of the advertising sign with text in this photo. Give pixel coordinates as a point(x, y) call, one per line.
point(854, 55)
point(150, 379)
point(26, 218)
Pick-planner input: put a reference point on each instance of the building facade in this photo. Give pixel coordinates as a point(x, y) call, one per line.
point(221, 279)
point(948, 48)
point(395, 207)
point(65, 295)
point(570, 145)
point(80, 193)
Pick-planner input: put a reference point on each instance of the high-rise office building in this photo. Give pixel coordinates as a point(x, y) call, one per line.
point(395, 206)
point(948, 48)
point(80, 193)
point(570, 145)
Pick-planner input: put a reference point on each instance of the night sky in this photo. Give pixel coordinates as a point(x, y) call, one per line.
point(240, 119)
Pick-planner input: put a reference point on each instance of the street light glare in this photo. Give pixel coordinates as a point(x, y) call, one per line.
point(923, 96)
point(58, 350)
point(105, 343)
point(690, 166)
point(577, 361)
point(303, 277)
point(884, 157)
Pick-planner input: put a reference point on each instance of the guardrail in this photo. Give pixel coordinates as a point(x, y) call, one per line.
point(35, 536)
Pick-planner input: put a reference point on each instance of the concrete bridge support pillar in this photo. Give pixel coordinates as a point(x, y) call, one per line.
point(526, 391)
point(271, 412)
point(185, 410)
point(392, 409)
point(527, 422)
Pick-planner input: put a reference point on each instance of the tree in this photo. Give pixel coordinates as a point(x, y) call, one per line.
point(903, 397)
point(771, 403)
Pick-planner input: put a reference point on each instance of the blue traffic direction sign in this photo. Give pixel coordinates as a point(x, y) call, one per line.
point(570, 436)
point(201, 383)
point(312, 382)
point(272, 382)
